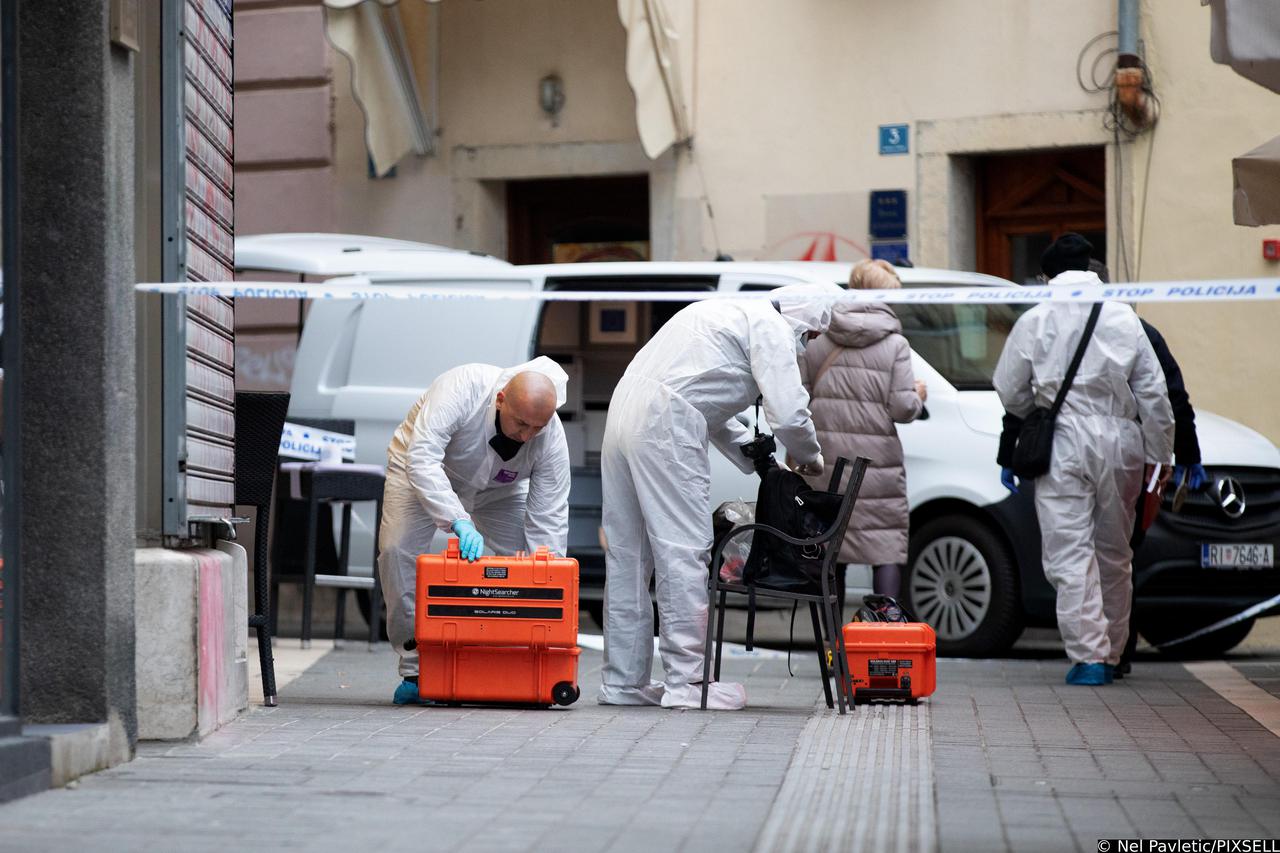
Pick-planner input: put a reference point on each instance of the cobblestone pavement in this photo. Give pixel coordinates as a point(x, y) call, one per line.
point(336, 767)
point(1264, 674)
point(1023, 761)
point(1004, 757)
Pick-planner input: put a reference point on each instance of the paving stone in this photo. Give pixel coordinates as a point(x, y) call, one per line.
point(1004, 757)
point(1153, 754)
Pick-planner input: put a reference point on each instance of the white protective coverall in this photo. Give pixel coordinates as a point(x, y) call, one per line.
point(440, 468)
point(1116, 416)
point(708, 363)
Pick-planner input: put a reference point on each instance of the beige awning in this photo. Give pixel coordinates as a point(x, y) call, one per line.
point(1257, 185)
point(653, 70)
point(1245, 34)
point(370, 35)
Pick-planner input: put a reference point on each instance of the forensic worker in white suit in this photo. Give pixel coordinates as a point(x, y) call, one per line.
point(680, 393)
point(1115, 417)
point(482, 454)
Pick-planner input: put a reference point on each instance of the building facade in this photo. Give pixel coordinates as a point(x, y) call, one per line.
point(122, 607)
point(997, 120)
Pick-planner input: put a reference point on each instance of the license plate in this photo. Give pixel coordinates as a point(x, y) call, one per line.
point(1236, 556)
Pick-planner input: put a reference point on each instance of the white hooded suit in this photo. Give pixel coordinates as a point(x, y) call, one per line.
point(682, 391)
point(440, 468)
point(1116, 417)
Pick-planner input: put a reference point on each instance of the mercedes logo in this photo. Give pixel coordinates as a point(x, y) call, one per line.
point(1231, 497)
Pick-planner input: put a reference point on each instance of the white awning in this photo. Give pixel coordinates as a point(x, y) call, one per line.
point(1257, 185)
point(1245, 34)
point(370, 35)
point(653, 70)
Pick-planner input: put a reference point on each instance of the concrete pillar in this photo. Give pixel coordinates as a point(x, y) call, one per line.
point(78, 407)
point(192, 668)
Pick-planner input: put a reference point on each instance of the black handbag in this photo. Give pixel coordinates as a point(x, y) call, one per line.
point(1034, 451)
point(786, 502)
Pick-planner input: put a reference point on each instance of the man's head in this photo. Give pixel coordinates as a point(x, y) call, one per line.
point(525, 405)
point(1068, 252)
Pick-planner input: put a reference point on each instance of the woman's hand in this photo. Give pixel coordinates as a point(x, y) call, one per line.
point(922, 390)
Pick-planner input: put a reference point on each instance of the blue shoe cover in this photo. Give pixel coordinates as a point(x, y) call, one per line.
point(1091, 674)
point(1111, 673)
point(407, 694)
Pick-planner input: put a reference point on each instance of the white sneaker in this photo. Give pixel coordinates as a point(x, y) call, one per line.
point(721, 696)
point(649, 694)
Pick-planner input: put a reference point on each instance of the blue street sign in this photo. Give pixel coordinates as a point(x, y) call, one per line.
point(888, 214)
point(893, 139)
point(893, 252)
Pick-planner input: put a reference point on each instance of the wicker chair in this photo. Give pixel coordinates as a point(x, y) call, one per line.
point(259, 422)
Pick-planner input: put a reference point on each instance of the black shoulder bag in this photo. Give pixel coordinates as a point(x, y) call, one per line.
point(1034, 451)
point(785, 501)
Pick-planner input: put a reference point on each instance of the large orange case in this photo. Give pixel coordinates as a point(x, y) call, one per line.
point(893, 661)
point(501, 629)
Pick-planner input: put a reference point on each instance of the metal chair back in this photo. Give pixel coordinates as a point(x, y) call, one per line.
point(821, 606)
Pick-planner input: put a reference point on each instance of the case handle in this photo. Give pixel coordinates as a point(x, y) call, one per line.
point(541, 564)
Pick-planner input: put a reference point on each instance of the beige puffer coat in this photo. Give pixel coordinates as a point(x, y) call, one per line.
point(867, 387)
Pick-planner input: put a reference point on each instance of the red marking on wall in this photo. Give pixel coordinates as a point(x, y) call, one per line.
point(817, 246)
point(212, 635)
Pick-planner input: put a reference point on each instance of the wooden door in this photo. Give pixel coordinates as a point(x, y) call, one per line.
point(1026, 201)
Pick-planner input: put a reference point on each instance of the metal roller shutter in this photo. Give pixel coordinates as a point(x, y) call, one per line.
point(200, 383)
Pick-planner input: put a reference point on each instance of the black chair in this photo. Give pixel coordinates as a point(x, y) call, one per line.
point(259, 422)
point(303, 529)
point(824, 607)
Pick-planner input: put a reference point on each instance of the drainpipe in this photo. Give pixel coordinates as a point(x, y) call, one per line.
point(1130, 74)
point(1127, 25)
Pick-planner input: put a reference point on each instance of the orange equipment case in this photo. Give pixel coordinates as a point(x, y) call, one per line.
point(501, 629)
point(890, 660)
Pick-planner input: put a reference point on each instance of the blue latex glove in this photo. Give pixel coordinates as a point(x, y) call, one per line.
point(1196, 481)
point(470, 542)
point(1007, 480)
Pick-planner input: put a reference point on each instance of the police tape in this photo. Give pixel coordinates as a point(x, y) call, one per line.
point(1262, 608)
point(362, 288)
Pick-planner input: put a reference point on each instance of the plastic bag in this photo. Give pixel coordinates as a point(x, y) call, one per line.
point(727, 516)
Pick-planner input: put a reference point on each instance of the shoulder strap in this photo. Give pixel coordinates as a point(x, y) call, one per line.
point(825, 366)
point(1076, 359)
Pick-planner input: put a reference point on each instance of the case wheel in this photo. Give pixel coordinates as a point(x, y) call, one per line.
point(565, 693)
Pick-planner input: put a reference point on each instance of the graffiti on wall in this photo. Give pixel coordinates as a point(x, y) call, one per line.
point(816, 246)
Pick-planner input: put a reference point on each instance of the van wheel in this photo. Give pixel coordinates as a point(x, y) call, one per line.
point(962, 579)
point(1170, 625)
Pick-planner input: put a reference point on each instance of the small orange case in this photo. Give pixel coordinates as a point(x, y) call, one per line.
point(501, 629)
point(891, 661)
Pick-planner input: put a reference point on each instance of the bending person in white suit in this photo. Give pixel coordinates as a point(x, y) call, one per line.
point(482, 454)
point(683, 389)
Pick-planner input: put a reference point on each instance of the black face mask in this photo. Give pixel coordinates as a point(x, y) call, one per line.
point(503, 446)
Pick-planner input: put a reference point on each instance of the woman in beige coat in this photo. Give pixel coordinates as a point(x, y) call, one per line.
point(860, 382)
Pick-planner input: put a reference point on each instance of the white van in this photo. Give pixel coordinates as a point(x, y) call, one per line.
point(974, 568)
